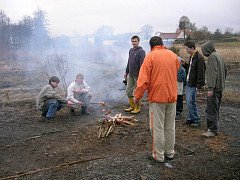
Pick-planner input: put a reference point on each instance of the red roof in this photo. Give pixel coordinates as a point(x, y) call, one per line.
point(169, 35)
point(173, 35)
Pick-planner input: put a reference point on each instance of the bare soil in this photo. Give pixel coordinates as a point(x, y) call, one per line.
point(68, 148)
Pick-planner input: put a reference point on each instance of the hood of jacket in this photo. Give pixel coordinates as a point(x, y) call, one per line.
point(208, 48)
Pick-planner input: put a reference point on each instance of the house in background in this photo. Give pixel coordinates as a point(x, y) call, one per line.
point(169, 38)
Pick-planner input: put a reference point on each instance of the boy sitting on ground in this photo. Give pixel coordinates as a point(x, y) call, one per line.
point(79, 94)
point(49, 100)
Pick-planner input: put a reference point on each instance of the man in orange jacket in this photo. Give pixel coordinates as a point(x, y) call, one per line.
point(158, 75)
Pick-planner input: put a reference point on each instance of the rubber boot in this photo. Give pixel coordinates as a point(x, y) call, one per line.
point(136, 109)
point(132, 105)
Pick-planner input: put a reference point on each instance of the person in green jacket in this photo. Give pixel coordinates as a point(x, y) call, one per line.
point(49, 100)
point(216, 75)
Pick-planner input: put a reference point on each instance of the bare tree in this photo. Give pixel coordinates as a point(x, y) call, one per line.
point(55, 65)
point(146, 31)
point(184, 22)
point(201, 34)
point(41, 37)
point(4, 31)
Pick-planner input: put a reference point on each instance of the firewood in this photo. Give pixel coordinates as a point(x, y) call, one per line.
point(100, 132)
point(107, 123)
point(109, 130)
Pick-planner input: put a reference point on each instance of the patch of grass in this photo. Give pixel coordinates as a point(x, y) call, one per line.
point(230, 51)
point(228, 44)
point(231, 96)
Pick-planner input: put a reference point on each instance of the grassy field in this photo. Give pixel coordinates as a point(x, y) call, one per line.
point(230, 51)
point(228, 44)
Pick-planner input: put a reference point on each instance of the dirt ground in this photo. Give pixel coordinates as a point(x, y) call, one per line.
point(69, 148)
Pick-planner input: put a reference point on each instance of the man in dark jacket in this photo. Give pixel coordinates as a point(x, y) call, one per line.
point(216, 75)
point(195, 80)
point(135, 60)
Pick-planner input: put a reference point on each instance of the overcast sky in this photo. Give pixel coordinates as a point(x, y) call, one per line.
point(85, 16)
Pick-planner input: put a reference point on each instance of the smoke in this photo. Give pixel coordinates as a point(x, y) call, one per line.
point(103, 69)
point(101, 57)
point(103, 66)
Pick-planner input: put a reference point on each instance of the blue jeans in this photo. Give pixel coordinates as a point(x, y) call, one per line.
point(191, 93)
point(52, 106)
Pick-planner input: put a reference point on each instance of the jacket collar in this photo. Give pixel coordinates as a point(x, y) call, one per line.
point(158, 48)
point(195, 54)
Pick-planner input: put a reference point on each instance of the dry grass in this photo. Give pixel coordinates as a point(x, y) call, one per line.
point(230, 54)
point(231, 96)
point(217, 144)
point(229, 51)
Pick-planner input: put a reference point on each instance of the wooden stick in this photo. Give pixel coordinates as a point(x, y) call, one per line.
point(50, 168)
point(100, 132)
point(109, 130)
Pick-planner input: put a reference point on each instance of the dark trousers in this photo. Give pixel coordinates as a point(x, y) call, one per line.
point(179, 107)
point(212, 111)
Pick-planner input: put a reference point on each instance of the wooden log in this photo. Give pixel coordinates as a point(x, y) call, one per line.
point(109, 130)
point(100, 132)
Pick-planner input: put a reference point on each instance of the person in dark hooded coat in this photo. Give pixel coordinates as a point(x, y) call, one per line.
point(216, 75)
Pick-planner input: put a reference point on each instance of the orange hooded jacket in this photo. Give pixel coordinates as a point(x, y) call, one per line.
point(158, 75)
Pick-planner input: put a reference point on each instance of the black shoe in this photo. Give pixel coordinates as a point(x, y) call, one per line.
point(178, 117)
point(154, 160)
point(189, 122)
point(44, 114)
point(49, 120)
point(72, 112)
point(195, 125)
point(169, 157)
point(84, 111)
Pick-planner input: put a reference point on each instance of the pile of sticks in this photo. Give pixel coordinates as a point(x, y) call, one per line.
point(108, 123)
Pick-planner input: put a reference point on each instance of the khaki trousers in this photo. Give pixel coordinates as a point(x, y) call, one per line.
point(131, 82)
point(162, 127)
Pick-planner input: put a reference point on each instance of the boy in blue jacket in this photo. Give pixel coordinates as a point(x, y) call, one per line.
point(181, 78)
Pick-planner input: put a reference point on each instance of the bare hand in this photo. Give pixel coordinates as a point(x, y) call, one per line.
point(84, 90)
point(77, 91)
point(125, 76)
point(136, 101)
point(210, 93)
point(69, 103)
point(80, 103)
